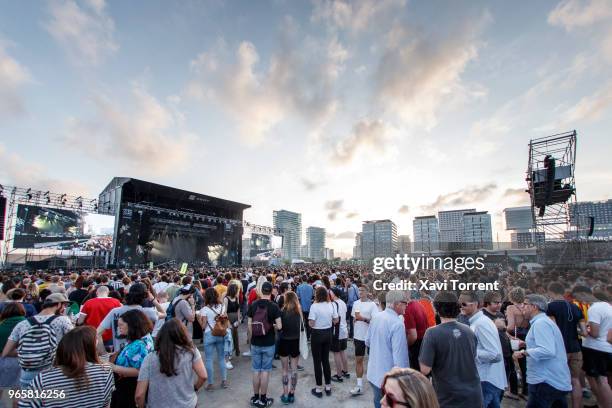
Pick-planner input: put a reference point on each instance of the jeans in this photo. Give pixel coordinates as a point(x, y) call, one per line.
point(306, 325)
point(261, 358)
point(214, 345)
point(26, 377)
point(349, 321)
point(320, 345)
point(377, 395)
point(491, 395)
point(543, 395)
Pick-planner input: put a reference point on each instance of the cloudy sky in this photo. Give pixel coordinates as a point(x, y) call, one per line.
point(341, 110)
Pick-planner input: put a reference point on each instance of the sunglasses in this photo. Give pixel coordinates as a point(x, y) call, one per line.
point(392, 402)
point(464, 304)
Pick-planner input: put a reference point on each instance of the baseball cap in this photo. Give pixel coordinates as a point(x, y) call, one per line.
point(266, 288)
point(56, 298)
point(187, 289)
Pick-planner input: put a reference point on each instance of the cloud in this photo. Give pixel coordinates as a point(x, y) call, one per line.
point(354, 15)
point(334, 208)
point(579, 13)
point(468, 195)
point(13, 76)
point(144, 134)
point(352, 215)
point(83, 30)
point(516, 196)
point(404, 209)
point(341, 235)
point(590, 108)
point(418, 74)
point(298, 83)
point(367, 135)
point(308, 184)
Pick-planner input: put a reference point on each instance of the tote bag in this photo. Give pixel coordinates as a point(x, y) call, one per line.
point(303, 341)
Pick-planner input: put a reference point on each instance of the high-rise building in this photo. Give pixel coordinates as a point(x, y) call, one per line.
point(315, 239)
point(519, 220)
point(329, 254)
point(601, 211)
point(477, 233)
point(357, 254)
point(526, 239)
point(290, 223)
point(379, 239)
point(426, 233)
point(451, 228)
point(404, 246)
point(304, 251)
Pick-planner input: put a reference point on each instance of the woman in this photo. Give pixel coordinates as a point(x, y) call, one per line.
point(289, 344)
point(12, 313)
point(231, 304)
point(321, 318)
point(517, 328)
point(81, 290)
point(167, 374)
point(77, 376)
point(136, 327)
point(405, 387)
point(213, 344)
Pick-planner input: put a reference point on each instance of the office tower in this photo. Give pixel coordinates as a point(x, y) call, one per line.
point(291, 225)
point(403, 244)
point(477, 233)
point(379, 239)
point(315, 240)
point(357, 253)
point(426, 233)
point(519, 220)
point(601, 211)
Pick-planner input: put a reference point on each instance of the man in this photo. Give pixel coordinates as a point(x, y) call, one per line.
point(35, 340)
point(264, 313)
point(448, 353)
point(117, 282)
point(596, 349)
point(489, 354)
point(220, 288)
point(305, 293)
point(162, 285)
point(173, 288)
point(492, 302)
point(338, 346)
point(95, 310)
point(363, 312)
point(134, 299)
point(569, 319)
point(352, 292)
point(183, 307)
point(387, 341)
point(548, 375)
point(415, 321)
point(56, 285)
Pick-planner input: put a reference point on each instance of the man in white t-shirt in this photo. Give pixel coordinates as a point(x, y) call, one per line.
point(363, 311)
point(338, 346)
point(596, 350)
point(162, 285)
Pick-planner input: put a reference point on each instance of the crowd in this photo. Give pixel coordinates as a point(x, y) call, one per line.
point(153, 338)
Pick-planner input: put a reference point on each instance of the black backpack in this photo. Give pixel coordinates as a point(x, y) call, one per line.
point(171, 311)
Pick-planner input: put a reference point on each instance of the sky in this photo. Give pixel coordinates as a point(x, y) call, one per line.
point(343, 111)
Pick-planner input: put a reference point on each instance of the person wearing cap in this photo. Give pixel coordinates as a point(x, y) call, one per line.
point(184, 307)
point(52, 312)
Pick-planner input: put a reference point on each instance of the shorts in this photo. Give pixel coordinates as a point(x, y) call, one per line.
point(574, 361)
point(596, 363)
point(261, 358)
point(360, 348)
point(338, 345)
point(288, 348)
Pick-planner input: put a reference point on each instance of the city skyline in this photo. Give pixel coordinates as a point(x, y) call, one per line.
point(342, 111)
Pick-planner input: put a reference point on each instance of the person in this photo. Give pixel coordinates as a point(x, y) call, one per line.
point(162, 299)
point(35, 339)
point(517, 328)
point(166, 375)
point(415, 322)
point(231, 304)
point(162, 285)
point(264, 317)
point(305, 293)
point(570, 320)
point(77, 374)
point(81, 290)
point(183, 307)
point(56, 285)
point(489, 353)
point(220, 287)
point(448, 353)
point(340, 336)
point(321, 317)
point(363, 311)
point(18, 295)
point(405, 387)
point(11, 315)
point(596, 349)
point(387, 341)
point(213, 344)
point(134, 299)
point(352, 295)
point(289, 344)
point(96, 309)
point(548, 375)
point(135, 326)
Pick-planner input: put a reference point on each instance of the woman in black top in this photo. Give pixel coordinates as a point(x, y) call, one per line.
point(289, 343)
point(231, 304)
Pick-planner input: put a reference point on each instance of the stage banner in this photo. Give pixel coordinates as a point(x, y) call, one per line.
point(150, 265)
point(183, 268)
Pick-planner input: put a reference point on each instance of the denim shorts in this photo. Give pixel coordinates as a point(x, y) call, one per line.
point(261, 358)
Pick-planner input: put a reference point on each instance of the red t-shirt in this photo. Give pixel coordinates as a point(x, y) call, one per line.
point(252, 296)
point(429, 311)
point(96, 310)
point(415, 318)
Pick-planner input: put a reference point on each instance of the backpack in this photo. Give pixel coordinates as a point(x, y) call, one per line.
point(260, 324)
point(171, 311)
point(221, 324)
point(36, 348)
point(353, 295)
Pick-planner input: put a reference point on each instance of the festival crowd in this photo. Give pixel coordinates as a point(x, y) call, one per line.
point(154, 338)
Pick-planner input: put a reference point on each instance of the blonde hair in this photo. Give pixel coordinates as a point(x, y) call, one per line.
point(33, 289)
point(517, 295)
point(260, 282)
point(292, 304)
point(416, 388)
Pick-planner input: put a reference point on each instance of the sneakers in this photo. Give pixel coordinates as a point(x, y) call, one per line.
point(346, 374)
point(316, 393)
point(356, 391)
point(229, 365)
point(300, 368)
point(254, 401)
point(291, 398)
point(337, 378)
point(260, 404)
point(285, 400)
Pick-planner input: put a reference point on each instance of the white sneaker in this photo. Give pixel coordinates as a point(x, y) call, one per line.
point(356, 391)
point(228, 365)
point(246, 354)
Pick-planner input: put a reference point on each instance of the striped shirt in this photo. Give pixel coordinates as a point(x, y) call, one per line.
point(96, 394)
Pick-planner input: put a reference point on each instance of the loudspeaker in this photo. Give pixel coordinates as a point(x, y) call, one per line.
point(2, 214)
point(591, 226)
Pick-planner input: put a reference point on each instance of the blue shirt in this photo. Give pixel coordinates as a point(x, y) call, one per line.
point(305, 292)
point(489, 355)
point(388, 346)
point(546, 356)
point(29, 308)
